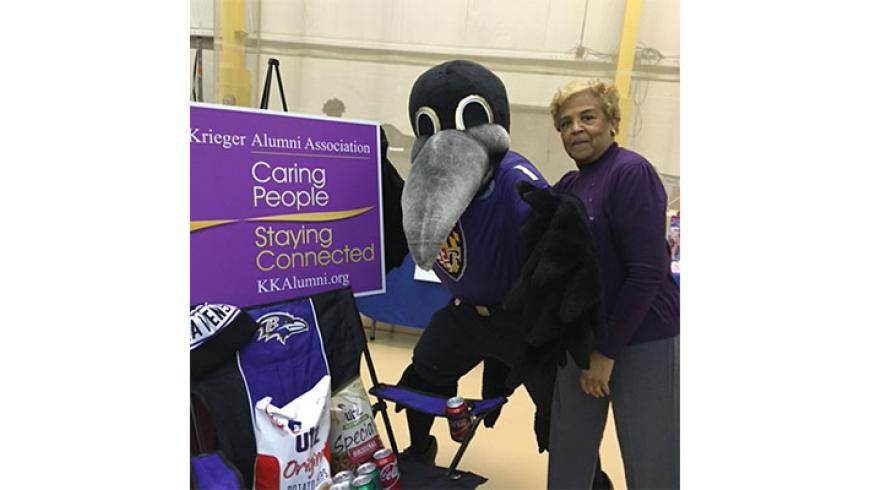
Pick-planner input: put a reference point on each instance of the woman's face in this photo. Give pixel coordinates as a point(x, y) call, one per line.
point(585, 128)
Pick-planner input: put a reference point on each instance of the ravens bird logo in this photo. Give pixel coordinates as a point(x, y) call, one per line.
point(280, 326)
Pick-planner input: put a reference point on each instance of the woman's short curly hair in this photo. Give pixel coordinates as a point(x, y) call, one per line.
point(607, 94)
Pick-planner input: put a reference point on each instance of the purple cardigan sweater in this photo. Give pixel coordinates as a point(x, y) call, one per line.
point(627, 207)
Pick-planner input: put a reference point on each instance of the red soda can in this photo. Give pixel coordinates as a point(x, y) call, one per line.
point(458, 417)
point(386, 462)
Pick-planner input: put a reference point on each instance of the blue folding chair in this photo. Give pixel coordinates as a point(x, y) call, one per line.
point(435, 405)
point(431, 404)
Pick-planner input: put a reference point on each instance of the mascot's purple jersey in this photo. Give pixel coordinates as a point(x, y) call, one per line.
point(484, 252)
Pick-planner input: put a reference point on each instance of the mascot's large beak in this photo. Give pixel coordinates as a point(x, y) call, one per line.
point(447, 171)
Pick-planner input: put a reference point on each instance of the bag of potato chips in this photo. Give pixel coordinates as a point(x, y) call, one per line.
point(353, 436)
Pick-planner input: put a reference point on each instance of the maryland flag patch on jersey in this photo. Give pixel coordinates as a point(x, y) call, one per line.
point(451, 257)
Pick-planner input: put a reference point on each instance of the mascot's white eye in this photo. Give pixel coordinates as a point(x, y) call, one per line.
point(426, 121)
point(472, 111)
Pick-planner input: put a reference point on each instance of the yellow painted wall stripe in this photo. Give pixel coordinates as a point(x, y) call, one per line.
point(625, 63)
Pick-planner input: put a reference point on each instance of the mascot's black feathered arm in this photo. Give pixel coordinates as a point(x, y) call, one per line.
point(557, 296)
point(395, 245)
point(558, 293)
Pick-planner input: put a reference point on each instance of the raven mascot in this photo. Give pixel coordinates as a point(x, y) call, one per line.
point(517, 258)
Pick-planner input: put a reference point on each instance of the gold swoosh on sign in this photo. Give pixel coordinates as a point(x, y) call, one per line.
point(201, 225)
point(305, 217)
point(324, 216)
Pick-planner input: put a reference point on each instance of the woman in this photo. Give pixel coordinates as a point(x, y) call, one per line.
point(636, 363)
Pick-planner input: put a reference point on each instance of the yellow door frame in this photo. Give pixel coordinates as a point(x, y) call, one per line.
point(234, 78)
point(625, 63)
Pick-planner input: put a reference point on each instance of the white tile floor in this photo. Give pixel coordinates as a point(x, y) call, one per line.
point(506, 454)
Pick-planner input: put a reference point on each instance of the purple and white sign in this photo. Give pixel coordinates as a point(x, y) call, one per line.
point(282, 206)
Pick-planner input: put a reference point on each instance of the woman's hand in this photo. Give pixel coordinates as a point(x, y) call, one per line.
point(595, 381)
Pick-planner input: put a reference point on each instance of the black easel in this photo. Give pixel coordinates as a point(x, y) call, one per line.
point(196, 80)
point(264, 101)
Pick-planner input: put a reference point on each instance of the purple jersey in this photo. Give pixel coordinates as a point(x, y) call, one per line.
point(483, 255)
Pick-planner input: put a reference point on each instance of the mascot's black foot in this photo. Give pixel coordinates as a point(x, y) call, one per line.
point(426, 457)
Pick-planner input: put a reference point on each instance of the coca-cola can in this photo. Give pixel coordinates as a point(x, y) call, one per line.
point(458, 418)
point(345, 485)
point(388, 466)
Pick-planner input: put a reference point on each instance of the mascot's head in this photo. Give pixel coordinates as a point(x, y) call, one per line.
point(457, 95)
point(460, 114)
